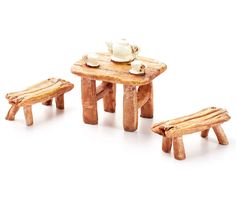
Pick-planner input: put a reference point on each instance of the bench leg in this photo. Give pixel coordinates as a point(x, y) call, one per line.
point(130, 108)
point(147, 108)
point(109, 100)
point(60, 101)
point(179, 151)
point(48, 102)
point(12, 112)
point(89, 101)
point(204, 133)
point(28, 115)
point(220, 135)
point(166, 144)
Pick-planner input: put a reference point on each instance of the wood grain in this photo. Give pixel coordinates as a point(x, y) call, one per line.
point(179, 151)
point(118, 72)
point(166, 144)
point(202, 121)
point(199, 121)
point(12, 112)
point(89, 101)
point(130, 108)
point(40, 92)
point(220, 135)
point(28, 115)
point(60, 101)
point(109, 100)
point(198, 114)
point(147, 108)
point(102, 90)
point(144, 93)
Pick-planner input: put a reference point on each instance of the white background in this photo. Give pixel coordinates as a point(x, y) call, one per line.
point(60, 155)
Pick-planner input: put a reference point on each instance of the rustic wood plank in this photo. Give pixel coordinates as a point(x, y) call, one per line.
point(118, 73)
point(130, 108)
point(31, 89)
point(102, 90)
point(109, 99)
point(44, 93)
point(209, 116)
point(199, 121)
point(143, 95)
point(89, 101)
point(198, 114)
point(199, 126)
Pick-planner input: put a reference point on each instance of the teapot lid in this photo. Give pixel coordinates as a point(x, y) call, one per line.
point(123, 41)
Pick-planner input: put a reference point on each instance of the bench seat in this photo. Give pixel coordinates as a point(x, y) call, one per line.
point(173, 130)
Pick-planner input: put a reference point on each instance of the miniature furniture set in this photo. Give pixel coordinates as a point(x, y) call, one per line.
point(42, 92)
point(173, 130)
point(121, 65)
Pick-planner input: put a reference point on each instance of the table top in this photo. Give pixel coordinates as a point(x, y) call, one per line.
point(118, 72)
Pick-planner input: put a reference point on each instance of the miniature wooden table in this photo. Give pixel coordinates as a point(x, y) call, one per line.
point(110, 74)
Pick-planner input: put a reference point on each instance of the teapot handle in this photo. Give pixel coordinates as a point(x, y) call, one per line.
point(109, 46)
point(135, 49)
point(85, 58)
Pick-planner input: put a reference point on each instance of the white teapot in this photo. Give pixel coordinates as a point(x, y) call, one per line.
point(122, 51)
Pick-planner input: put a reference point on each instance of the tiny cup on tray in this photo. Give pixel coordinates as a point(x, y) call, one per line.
point(137, 68)
point(91, 60)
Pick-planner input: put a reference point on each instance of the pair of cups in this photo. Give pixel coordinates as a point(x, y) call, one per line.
point(137, 67)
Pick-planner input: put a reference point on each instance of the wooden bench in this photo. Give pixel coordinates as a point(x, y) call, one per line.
point(173, 130)
point(43, 92)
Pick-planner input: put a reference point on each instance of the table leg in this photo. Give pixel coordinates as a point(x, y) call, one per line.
point(166, 144)
point(179, 151)
point(109, 100)
point(220, 134)
point(89, 101)
point(48, 102)
point(204, 133)
point(28, 115)
point(130, 108)
point(60, 101)
point(12, 112)
point(147, 108)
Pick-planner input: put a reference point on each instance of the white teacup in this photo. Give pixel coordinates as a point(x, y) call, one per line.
point(91, 59)
point(137, 67)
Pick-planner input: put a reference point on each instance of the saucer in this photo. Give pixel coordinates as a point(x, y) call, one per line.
point(120, 60)
point(92, 65)
point(134, 72)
